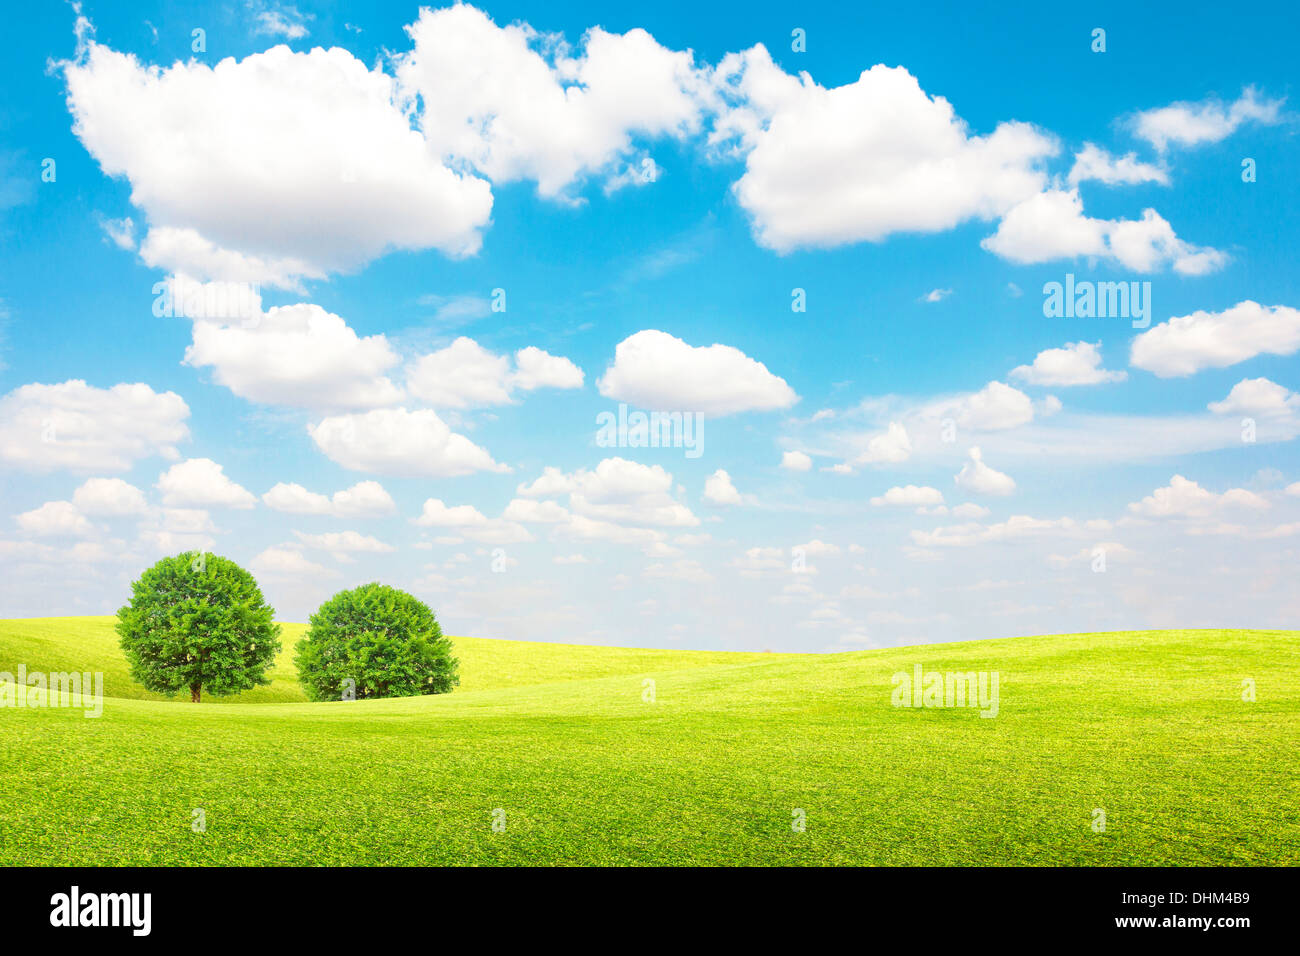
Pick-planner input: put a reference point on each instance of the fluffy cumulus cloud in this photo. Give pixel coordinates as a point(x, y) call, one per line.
point(78, 426)
point(910, 495)
point(796, 461)
point(55, 518)
point(1094, 163)
point(202, 483)
point(617, 491)
point(109, 497)
point(995, 407)
point(466, 375)
point(1183, 498)
point(883, 448)
point(535, 368)
point(272, 168)
point(365, 499)
point(287, 562)
point(1077, 363)
point(862, 161)
point(1188, 343)
point(978, 478)
point(719, 489)
point(516, 104)
point(1258, 396)
point(297, 355)
point(658, 371)
point(344, 542)
point(1209, 121)
point(468, 522)
point(395, 441)
point(1052, 225)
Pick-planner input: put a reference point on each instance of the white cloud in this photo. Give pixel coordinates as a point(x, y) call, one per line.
point(362, 500)
point(344, 542)
point(455, 310)
point(861, 161)
point(1051, 225)
point(516, 104)
point(595, 529)
point(272, 168)
point(462, 375)
point(436, 514)
point(466, 375)
point(55, 518)
point(719, 490)
point(275, 19)
point(816, 548)
point(1188, 343)
point(77, 426)
point(1094, 163)
point(535, 512)
point(1183, 498)
point(910, 495)
point(969, 510)
point(618, 491)
point(202, 483)
point(1258, 396)
point(758, 560)
point(186, 521)
point(471, 523)
point(1190, 124)
point(120, 231)
point(936, 295)
point(535, 369)
point(888, 447)
point(978, 478)
point(287, 561)
point(995, 407)
point(172, 530)
point(1078, 363)
point(1015, 527)
point(394, 441)
point(660, 372)
point(300, 356)
point(110, 497)
point(796, 461)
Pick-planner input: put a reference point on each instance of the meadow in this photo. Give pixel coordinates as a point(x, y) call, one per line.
point(570, 754)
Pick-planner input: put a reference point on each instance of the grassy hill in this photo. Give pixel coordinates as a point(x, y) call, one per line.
point(557, 741)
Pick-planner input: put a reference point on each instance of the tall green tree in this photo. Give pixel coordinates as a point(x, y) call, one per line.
point(198, 621)
point(374, 641)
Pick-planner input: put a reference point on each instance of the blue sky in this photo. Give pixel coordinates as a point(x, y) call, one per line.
point(648, 191)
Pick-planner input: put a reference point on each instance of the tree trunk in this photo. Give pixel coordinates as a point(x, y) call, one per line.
point(194, 693)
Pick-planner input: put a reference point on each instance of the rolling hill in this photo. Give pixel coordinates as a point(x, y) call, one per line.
point(560, 754)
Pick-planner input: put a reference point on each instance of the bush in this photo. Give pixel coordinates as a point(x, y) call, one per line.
point(374, 641)
point(198, 621)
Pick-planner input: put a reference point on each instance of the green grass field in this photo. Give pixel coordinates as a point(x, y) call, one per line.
point(557, 741)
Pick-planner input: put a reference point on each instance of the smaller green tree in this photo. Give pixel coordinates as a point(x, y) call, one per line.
point(198, 621)
point(374, 641)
